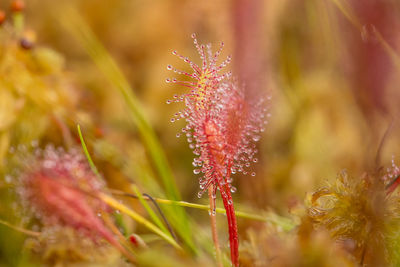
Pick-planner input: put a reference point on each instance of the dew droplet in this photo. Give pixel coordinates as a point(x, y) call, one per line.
point(8, 179)
point(169, 67)
point(196, 171)
point(253, 174)
point(34, 143)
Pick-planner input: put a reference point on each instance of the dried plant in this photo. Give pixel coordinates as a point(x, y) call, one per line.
point(361, 213)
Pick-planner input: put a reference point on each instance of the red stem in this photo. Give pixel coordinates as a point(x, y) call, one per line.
point(231, 217)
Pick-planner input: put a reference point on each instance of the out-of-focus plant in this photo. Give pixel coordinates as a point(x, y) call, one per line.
point(303, 247)
point(60, 190)
point(109, 68)
point(35, 92)
point(363, 214)
point(37, 101)
point(222, 124)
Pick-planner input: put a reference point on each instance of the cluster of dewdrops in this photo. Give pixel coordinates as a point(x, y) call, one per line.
point(213, 99)
point(391, 173)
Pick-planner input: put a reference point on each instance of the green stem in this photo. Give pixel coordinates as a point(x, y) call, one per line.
point(137, 217)
point(283, 222)
point(85, 150)
point(20, 229)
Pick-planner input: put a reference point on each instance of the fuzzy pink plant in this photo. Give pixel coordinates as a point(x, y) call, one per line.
point(222, 126)
point(61, 190)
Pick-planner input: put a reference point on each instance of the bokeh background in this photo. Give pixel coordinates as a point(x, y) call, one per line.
point(331, 68)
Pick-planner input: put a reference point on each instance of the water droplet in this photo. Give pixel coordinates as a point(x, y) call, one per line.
point(200, 194)
point(172, 120)
point(169, 101)
point(169, 67)
point(196, 171)
point(255, 160)
point(35, 143)
point(368, 32)
point(256, 138)
point(253, 174)
point(193, 35)
point(233, 189)
point(8, 179)
point(178, 135)
point(230, 202)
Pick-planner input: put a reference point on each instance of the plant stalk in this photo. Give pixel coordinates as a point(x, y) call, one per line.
point(213, 220)
point(231, 217)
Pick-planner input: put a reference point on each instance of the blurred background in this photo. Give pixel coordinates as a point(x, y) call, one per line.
point(331, 68)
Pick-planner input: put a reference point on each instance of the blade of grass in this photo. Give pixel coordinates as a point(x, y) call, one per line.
point(149, 210)
point(285, 223)
point(20, 229)
point(115, 204)
point(85, 150)
point(137, 217)
point(79, 29)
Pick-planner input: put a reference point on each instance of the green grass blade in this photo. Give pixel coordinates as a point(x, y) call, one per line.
point(119, 206)
point(110, 70)
point(149, 210)
point(137, 217)
point(85, 150)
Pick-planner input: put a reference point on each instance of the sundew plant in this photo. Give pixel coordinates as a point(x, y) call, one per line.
point(292, 129)
point(222, 125)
